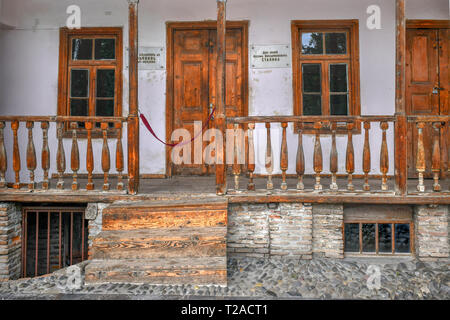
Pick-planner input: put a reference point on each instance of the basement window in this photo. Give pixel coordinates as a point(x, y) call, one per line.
point(53, 238)
point(378, 230)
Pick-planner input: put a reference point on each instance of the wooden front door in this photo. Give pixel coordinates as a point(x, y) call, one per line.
point(427, 86)
point(194, 84)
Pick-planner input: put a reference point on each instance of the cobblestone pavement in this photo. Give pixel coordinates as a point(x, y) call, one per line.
point(253, 278)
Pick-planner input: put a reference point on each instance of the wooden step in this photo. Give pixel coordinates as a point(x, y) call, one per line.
point(191, 213)
point(197, 271)
point(160, 243)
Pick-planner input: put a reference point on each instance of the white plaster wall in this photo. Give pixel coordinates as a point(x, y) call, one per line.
point(29, 61)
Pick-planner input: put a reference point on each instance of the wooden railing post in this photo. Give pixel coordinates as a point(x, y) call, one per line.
point(16, 153)
point(106, 158)
point(251, 156)
point(133, 119)
point(31, 155)
point(119, 156)
point(366, 156)
point(333, 158)
point(300, 160)
point(400, 130)
point(350, 157)
point(436, 155)
point(3, 160)
point(75, 156)
point(318, 161)
point(237, 147)
point(45, 156)
point(420, 156)
point(269, 158)
point(384, 157)
point(221, 176)
point(60, 156)
point(89, 156)
point(284, 157)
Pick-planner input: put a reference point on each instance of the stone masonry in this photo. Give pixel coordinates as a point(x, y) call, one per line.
point(327, 236)
point(94, 214)
point(10, 241)
point(270, 230)
point(431, 229)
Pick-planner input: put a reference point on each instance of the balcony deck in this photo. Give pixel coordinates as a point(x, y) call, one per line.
point(184, 187)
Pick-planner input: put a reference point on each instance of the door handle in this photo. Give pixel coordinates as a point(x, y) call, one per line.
point(210, 110)
point(437, 89)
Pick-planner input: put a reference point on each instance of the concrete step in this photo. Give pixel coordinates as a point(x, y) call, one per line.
point(197, 271)
point(189, 213)
point(160, 243)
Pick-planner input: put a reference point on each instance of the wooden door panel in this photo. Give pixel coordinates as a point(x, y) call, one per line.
point(190, 86)
point(194, 61)
point(422, 63)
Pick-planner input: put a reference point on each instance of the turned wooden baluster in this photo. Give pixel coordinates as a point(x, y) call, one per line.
point(60, 157)
point(3, 159)
point(236, 166)
point(31, 155)
point(436, 156)
point(251, 156)
point(333, 157)
point(318, 161)
point(300, 160)
point(366, 156)
point(106, 159)
point(269, 159)
point(75, 157)
point(384, 157)
point(119, 156)
point(350, 157)
point(45, 156)
point(284, 157)
point(16, 154)
point(89, 156)
point(420, 156)
point(445, 148)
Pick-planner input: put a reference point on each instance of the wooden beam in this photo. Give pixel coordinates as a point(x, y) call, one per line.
point(133, 119)
point(221, 177)
point(401, 163)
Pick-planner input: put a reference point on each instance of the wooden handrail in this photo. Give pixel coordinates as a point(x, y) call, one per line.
point(307, 119)
point(62, 119)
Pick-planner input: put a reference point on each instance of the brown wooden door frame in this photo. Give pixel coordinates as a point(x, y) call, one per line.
point(443, 105)
point(171, 27)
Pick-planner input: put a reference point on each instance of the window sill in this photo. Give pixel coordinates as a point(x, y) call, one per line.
point(96, 134)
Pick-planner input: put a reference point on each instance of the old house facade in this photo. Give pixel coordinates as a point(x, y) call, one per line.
point(343, 105)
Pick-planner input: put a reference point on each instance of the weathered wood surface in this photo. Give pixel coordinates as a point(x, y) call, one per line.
point(172, 271)
point(176, 214)
point(160, 243)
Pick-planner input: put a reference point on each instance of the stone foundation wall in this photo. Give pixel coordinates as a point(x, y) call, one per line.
point(94, 213)
point(10, 241)
point(431, 232)
point(269, 230)
point(327, 237)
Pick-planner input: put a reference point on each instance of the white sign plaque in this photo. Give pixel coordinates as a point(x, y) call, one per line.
point(273, 56)
point(152, 58)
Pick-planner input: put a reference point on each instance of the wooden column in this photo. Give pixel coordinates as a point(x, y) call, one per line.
point(400, 131)
point(133, 118)
point(221, 176)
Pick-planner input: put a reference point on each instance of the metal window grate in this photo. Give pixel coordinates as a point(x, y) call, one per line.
point(52, 238)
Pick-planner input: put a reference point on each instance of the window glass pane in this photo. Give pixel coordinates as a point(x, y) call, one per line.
point(351, 237)
point(81, 49)
point(385, 238)
point(312, 105)
point(79, 84)
point(336, 43)
point(105, 83)
point(105, 108)
point(105, 49)
point(311, 77)
point(338, 78)
point(368, 237)
point(338, 104)
point(79, 107)
point(312, 43)
point(402, 238)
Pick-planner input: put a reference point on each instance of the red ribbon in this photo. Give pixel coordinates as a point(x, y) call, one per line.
point(149, 128)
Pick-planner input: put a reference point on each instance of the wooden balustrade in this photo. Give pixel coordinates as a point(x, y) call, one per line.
point(61, 124)
point(438, 165)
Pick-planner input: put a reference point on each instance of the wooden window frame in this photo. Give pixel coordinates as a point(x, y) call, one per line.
point(351, 27)
point(66, 63)
point(377, 253)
